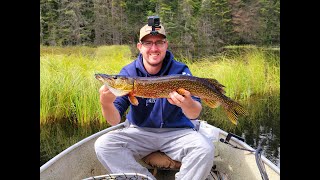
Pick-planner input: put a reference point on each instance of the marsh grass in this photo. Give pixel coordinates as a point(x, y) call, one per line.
point(68, 89)
point(244, 73)
point(71, 50)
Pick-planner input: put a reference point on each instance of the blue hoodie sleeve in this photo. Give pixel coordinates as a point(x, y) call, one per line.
point(122, 103)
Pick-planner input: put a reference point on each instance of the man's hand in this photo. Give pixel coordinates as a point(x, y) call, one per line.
point(190, 107)
point(106, 96)
point(180, 100)
point(109, 111)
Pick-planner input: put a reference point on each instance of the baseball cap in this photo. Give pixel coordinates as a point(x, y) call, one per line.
point(145, 30)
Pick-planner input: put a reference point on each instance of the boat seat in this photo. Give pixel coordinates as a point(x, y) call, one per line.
point(159, 159)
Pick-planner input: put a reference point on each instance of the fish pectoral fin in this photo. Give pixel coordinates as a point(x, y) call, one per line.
point(133, 100)
point(181, 91)
point(212, 103)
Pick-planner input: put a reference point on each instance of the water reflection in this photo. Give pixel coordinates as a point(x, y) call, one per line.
point(268, 127)
point(58, 136)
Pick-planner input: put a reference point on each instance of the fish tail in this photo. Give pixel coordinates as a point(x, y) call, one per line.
point(234, 110)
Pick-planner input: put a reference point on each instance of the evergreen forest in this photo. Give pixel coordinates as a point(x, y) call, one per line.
point(187, 22)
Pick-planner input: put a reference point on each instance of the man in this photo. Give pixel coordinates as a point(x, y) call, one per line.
point(155, 124)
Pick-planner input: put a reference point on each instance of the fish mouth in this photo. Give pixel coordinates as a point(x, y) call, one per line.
point(104, 76)
point(117, 92)
point(117, 84)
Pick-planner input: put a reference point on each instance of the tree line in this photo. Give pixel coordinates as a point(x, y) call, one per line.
point(187, 22)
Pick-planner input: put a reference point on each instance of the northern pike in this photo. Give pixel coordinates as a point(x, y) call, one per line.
point(208, 90)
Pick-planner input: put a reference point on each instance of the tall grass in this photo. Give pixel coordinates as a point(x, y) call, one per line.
point(71, 50)
point(68, 89)
point(244, 73)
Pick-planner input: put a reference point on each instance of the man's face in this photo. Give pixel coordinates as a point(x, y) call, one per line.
point(153, 49)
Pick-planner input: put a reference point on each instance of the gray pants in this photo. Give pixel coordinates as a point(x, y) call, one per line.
point(119, 149)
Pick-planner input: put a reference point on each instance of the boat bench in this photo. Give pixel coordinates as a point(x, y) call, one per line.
point(160, 161)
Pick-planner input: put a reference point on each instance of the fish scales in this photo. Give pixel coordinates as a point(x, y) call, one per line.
point(155, 87)
point(209, 90)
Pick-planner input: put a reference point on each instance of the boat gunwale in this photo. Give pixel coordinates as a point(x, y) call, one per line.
point(245, 145)
point(83, 141)
point(121, 125)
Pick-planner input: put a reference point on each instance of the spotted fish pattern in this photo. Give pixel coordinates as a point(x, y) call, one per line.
point(209, 90)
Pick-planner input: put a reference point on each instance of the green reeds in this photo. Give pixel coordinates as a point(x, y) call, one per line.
point(246, 73)
point(68, 89)
point(69, 50)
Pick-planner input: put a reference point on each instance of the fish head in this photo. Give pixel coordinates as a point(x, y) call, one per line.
point(119, 85)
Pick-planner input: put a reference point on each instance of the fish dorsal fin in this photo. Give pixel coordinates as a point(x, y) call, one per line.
point(216, 84)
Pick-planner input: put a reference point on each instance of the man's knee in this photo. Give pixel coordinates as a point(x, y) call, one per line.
point(109, 142)
point(102, 143)
point(99, 146)
point(207, 149)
